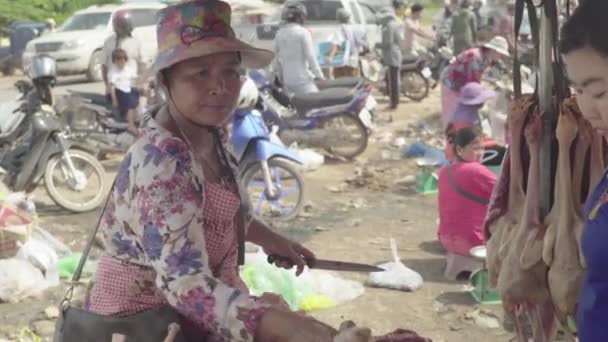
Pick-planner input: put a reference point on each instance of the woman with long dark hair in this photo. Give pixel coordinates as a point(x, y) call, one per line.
point(585, 51)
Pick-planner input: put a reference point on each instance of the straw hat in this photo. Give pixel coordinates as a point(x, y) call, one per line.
point(498, 44)
point(199, 28)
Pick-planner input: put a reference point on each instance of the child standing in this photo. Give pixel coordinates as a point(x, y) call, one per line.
point(125, 96)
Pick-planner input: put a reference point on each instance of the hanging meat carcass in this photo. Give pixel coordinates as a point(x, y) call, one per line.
point(501, 230)
point(562, 239)
point(522, 280)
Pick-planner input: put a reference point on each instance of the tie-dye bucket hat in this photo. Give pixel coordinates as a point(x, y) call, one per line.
point(197, 28)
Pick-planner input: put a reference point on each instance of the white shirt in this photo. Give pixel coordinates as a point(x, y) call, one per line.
point(123, 79)
point(351, 48)
point(131, 46)
point(295, 56)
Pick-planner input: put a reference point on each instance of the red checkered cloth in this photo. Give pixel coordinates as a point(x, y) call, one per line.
point(123, 288)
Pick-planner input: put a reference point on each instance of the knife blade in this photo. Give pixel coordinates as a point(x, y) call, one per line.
point(331, 265)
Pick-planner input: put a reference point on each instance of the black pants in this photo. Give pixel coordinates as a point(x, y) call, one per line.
point(392, 85)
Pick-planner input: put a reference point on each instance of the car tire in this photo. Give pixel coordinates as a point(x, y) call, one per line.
point(94, 71)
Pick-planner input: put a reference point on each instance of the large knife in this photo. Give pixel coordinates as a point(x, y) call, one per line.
point(331, 265)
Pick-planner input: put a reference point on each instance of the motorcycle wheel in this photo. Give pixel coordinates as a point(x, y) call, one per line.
point(358, 135)
point(82, 183)
point(414, 85)
point(282, 172)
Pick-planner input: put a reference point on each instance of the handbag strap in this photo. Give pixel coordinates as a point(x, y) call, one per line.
point(91, 240)
point(463, 192)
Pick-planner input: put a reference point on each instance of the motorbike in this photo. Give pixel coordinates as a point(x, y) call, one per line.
point(35, 146)
point(329, 119)
point(439, 56)
point(275, 186)
point(92, 119)
point(415, 75)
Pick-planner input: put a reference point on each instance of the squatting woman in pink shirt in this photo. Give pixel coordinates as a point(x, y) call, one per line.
point(465, 187)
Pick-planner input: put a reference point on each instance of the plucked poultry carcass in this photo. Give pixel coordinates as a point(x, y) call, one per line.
point(597, 160)
point(522, 280)
point(501, 230)
point(562, 239)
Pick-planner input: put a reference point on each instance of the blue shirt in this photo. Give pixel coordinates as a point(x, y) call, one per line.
point(592, 315)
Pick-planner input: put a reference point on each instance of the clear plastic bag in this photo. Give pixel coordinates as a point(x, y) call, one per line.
point(397, 275)
point(19, 279)
point(43, 257)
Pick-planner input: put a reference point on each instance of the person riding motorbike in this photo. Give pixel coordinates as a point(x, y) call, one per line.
point(295, 56)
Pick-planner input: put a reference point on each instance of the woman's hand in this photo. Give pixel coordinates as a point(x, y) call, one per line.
point(287, 249)
point(274, 244)
point(281, 326)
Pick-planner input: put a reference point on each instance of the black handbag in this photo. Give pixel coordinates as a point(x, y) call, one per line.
point(78, 325)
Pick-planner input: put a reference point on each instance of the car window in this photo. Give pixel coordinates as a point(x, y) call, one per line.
point(322, 10)
point(86, 21)
point(369, 14)
point(144, 17)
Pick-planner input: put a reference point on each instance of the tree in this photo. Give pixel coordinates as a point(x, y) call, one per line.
point(40, 10)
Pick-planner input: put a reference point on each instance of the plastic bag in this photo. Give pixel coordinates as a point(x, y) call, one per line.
point(328, 284)
point(19, 279)
point(43, 257)
point(312, 290)
point(311, 159)
point(397, 275)
point(261, 277)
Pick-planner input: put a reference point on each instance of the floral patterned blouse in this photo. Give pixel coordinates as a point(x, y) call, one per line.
point(468, 67)
point(154, 219)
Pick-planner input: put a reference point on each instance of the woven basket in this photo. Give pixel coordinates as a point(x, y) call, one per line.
point(11, 217)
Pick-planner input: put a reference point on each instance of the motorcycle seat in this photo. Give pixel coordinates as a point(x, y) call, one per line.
point(324, 98)
point(94, 98)
point(343, 82)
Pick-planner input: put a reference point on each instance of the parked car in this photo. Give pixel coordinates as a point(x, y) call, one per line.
point(321, 21)
point(77, 45)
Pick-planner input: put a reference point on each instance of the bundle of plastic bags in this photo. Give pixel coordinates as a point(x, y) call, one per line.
point(312, 290)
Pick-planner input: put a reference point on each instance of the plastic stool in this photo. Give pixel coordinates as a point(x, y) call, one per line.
point(456, 264)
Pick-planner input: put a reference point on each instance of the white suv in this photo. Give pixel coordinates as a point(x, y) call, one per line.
point(77, 45)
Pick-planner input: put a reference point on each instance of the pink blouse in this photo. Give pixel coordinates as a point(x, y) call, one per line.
point(461, 219)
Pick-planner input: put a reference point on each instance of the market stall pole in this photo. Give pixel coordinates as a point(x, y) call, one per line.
point(547, 105)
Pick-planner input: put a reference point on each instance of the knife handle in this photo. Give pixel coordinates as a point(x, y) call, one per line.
point(273, 258)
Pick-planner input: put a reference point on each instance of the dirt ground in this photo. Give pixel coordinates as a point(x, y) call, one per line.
point(345, 222)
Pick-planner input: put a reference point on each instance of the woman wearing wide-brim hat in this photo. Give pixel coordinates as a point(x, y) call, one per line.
point(175, 223)
point(473, 97)
point(468, 67)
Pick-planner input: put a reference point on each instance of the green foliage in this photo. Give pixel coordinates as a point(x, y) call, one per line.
point(40, 10)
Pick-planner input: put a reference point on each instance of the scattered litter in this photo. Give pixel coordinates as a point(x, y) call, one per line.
point(19, 279)
point(311, 160)
point(51, 312)
point(399, 142)
point(397, 275)
point(483, 319)
point(407, 180)
point(420, 150)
